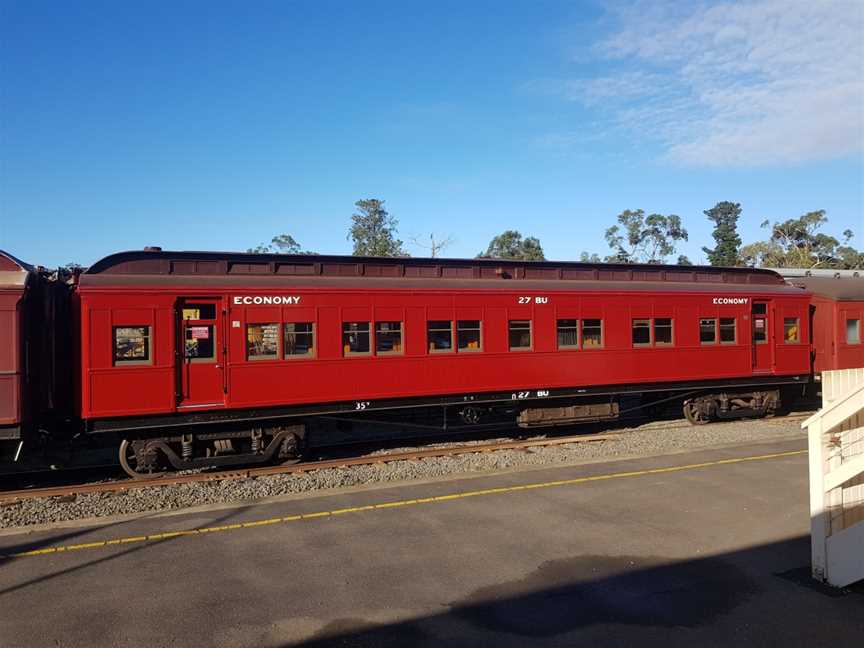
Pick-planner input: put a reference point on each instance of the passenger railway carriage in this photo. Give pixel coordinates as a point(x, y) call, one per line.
point(837, 309)
point(197, 359)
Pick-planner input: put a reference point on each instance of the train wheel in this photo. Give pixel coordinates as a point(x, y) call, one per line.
point(139, 461)
point(695, 414)
point(291, 449)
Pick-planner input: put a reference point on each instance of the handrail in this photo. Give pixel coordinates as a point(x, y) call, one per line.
point(822, 413)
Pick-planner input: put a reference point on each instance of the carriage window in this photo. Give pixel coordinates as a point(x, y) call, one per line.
point(131, 345)
point(199, 343)
point(708, 331)
point(641, 332)
point(388, 338)
point(468, 335)
point(440, 336)
point(299, 339)
point(592, 333)
point(760, 333)
point(727, 330)
point(760, 308)
point(199, 311)
point(663, 331)
point(262, 341)
point(520, 335)
point(568, 334)
point(355, 338)
point(790, 330)
point(853, 331)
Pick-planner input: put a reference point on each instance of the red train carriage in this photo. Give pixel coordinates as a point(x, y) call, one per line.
point(16, 279)
point(837, 316)
point(35, 353)
point(230, 349)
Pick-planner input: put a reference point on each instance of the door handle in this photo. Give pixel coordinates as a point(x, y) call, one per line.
point(218, 366)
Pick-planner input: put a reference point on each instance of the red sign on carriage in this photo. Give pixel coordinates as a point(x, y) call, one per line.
point(200, 332)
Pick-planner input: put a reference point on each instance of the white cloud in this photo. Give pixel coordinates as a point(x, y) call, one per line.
point(735, 84)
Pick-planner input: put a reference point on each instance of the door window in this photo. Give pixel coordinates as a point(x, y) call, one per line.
point(760, 329)
point(201, 343)
point(194, 311)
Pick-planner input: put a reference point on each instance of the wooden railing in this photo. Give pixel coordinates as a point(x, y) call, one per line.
point(836, 448)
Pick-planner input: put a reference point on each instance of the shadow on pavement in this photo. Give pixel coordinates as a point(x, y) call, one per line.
point(628, 594)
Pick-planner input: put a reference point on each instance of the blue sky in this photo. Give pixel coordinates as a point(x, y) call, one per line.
point(200, 125)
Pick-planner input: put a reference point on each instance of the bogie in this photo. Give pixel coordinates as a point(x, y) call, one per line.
point(153, 457)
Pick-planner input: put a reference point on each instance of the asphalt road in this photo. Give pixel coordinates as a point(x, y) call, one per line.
point(676, 551)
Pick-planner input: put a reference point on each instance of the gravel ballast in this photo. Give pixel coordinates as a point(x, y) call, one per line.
point(648, 440)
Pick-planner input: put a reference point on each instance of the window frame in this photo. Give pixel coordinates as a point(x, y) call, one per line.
point(122, 362)
point(479, 330)
point(637, 323)
point(559, 328)
point(296, 356)
point(211, 359)
point(797, 325)
point(857, 321)
point(451, 329)
point(347, 353)
point(199, 305)
point(734, 331)
point(510, 329)
point(714, 328)
point(671, 328)
point(261, 358)
point(763, 331)
point(602, 328)
point(401, 350)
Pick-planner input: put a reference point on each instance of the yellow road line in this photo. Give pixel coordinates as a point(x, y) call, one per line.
point(386, 505)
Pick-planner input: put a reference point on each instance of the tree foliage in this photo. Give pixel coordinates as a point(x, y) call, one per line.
point(511, 245)
point(798, 243)
point(724, 215)
point(644, 239)
point(280, 244)
point(373, 230)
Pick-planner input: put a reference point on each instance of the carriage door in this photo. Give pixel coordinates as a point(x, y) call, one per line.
point(762, 337)
point(200, 352)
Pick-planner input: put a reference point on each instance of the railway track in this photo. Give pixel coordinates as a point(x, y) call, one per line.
point(247, 473)
point(122, 485)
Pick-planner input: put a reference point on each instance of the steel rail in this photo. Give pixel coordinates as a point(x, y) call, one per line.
point(9, 497)
point(122, 485)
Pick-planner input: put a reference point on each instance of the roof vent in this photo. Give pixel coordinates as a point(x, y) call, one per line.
point(152, 248)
